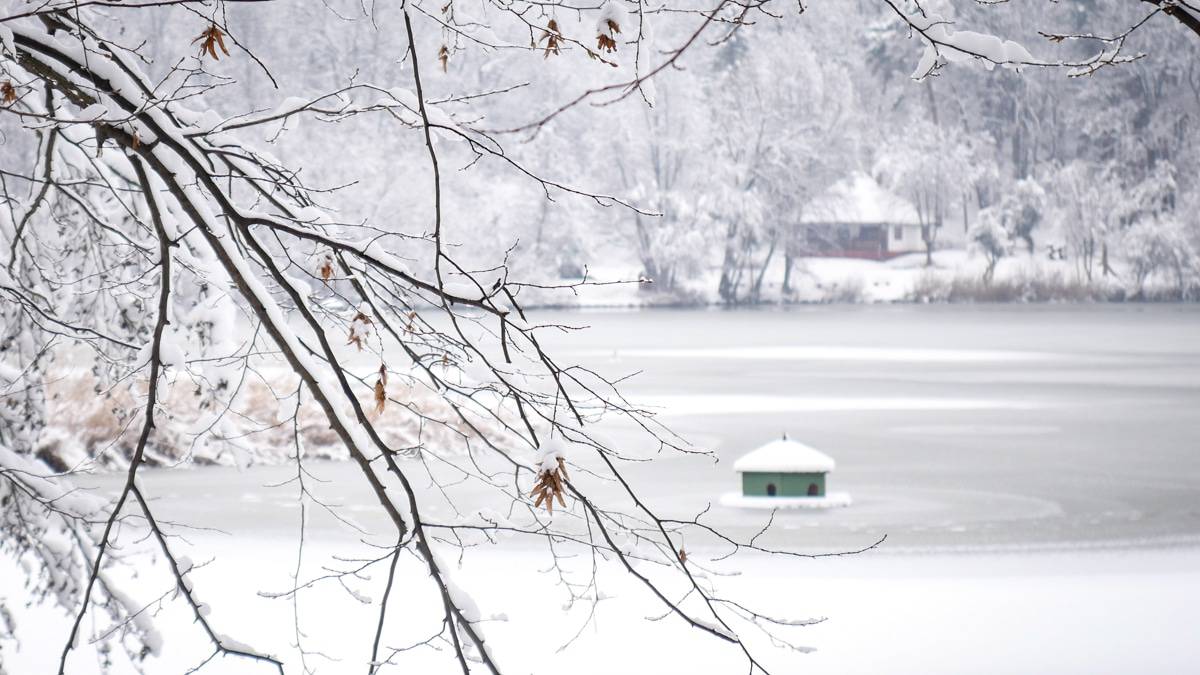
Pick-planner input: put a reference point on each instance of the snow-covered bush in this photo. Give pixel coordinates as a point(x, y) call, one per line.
point(991, 239)
point(1021, 208)
point(1161, 247)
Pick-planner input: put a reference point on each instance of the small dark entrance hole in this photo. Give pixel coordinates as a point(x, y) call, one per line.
point(813, 490)
point(770, 489)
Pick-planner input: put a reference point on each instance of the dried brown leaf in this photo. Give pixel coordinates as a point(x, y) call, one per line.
point(356, 336)
point(606, 40)
point(550, 485)
point(210, 40)
point(552, 38)
point(380, 396)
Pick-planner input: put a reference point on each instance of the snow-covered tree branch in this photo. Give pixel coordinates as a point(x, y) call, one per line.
point(178, 286)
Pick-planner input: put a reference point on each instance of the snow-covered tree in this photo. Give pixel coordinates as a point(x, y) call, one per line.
point(1085, 203)
point(932, 166)
point(782, 140)
point(991, 239)
point(1162, 246)
point(657, 163)
point(1021, 209)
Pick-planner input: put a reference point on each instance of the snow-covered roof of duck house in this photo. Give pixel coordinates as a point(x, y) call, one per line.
point(784, 468)
point(859, 218)
point(785, 455)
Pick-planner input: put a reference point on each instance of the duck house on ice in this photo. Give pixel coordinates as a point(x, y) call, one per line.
point(785, 474)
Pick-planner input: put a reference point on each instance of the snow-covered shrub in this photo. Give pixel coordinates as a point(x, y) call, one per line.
point(929, 286)
point(989, 238)
point(1022, 286)
point(1022, 208)
point(1161, 247)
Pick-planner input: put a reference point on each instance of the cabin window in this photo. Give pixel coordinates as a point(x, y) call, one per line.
point(897, 232)
point(813, 490)
point(770, 489)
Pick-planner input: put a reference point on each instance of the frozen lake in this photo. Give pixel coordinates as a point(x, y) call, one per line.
point(1036, 470)
point(952, 426)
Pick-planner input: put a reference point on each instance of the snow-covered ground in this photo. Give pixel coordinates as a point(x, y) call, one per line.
point(1034, 468)
point(1080, 612)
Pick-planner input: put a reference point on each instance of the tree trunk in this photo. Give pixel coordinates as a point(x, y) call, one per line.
point(727, 288)
point(1088, 257)
point(650, 266)
point(762, 271)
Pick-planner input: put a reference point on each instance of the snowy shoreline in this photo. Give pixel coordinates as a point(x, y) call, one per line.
point(669, 303)
point(954, 278)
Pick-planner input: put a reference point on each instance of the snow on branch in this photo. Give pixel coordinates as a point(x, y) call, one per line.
point(943, 45)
